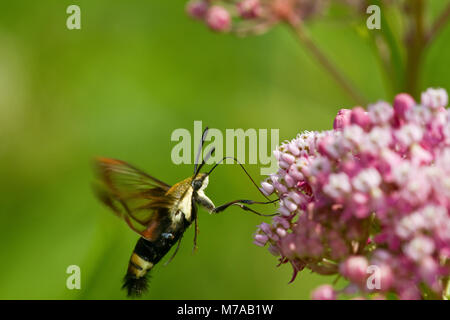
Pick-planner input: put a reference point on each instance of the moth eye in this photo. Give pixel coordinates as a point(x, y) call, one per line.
point(197, 184)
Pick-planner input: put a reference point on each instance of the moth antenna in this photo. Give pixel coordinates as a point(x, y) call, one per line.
point(199, 151)
point(208, 155)
point(242, 166)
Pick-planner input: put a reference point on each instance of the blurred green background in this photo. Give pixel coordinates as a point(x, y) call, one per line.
point(118, 87)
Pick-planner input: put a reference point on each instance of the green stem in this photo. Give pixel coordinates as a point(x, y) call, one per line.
point(393, 64)
point(315, 51)
point(446, 292)
point(415, 46)
point(439, 24)
point(385, 62)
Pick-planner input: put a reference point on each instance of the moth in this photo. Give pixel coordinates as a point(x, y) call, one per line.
point(158, 212)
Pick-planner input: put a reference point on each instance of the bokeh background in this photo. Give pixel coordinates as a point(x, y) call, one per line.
point(118, 87)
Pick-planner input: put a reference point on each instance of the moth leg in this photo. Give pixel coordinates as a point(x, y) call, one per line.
point(195, 248)
point(175, 252)
point(240, 204)
point(194, 214)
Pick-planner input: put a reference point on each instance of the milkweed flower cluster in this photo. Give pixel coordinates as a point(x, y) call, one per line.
point(252, 16)
point(257, 16)
point(374, 192)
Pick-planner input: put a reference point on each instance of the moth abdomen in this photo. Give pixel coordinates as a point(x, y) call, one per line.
point(136, 279)
point(145, 255)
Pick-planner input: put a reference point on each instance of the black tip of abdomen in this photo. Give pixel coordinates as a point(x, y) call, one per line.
point(135, 287)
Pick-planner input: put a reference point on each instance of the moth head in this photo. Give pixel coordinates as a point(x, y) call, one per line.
point(200, 182)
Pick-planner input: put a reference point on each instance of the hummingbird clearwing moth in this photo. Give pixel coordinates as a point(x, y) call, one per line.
point(158, 212)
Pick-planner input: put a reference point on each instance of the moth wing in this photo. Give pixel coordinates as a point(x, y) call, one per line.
point(136, 197)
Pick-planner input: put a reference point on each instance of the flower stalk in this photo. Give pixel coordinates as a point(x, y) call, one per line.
point(415, 45)
point(306, 41)
point(439, 24)
point(401, 71)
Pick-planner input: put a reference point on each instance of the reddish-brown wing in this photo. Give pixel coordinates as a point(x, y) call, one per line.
point(133, 195)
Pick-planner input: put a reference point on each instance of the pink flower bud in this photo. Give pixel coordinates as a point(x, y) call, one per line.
point(274, 250)
point(280, 187)
point(289, 180)
point(284, 211)
point(409, 292)
point(262, 239)
point(218, 19)
point(386, 277)
point(434, 98)
point(342, 119)
point(283, 164)
point(259, 244)
point(249, 9)
point(380, 113)
point(296, 197)
point(403, 102)
point(360, 117)
point(324, 292)
point(419, 248)
point(281, 222)
point(326, 147)
point(429, 270)
point(444, 253)
point(281, 232)
point(289, 158)
point(293, 148)
point(293, 172)
point(290, 205)
point(287, 246)
point(265, 227)
point(355, 269)
point(419, 155)
point(267, 188)
point(277, 154)
point(197, 9)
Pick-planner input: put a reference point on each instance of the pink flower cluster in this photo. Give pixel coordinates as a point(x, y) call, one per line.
point(368, 200)
point(253, 16)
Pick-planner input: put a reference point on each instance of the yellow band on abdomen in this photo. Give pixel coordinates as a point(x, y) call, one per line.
point(139, 266)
